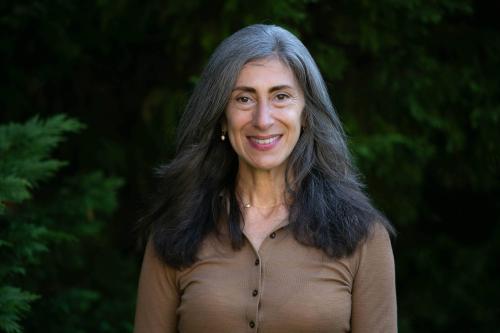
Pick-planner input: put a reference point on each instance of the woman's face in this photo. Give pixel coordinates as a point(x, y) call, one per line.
point(264, 114)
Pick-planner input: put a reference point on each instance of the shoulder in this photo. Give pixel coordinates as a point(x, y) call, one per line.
point(378, 235)
point(377, 242)
point(154, 265)
point(375, 250)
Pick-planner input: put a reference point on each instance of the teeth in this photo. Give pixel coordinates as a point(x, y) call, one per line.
point(265, 141)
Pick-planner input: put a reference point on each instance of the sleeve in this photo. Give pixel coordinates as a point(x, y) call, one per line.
point(157, 296)
point(374, 307)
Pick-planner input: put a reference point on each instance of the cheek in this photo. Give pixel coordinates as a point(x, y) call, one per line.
point(233, 128)
point(235, 122)
point(298, 122)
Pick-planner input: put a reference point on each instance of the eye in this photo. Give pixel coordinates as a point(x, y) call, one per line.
point(243, 99)
point(281, 97)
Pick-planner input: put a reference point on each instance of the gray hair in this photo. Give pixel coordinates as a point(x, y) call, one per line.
point(328, 210)
point(322, 141)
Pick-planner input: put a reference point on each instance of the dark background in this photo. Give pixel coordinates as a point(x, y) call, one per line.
point(416, 84)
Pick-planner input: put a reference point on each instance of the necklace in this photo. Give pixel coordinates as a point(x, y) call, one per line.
point(249, 205)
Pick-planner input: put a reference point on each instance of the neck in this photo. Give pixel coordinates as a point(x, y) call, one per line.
point(261, 188)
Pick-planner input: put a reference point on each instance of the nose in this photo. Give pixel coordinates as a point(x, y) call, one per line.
point(262, 117)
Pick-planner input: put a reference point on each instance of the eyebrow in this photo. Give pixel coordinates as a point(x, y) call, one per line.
point(272, 89)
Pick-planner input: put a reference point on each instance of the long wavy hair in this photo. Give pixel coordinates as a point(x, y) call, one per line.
point(197, 191)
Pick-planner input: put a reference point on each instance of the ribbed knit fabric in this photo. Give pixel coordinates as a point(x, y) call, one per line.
point(284, 287)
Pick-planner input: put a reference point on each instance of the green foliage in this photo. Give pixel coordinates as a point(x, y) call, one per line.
point(34, 231)
point(24, 151)
point(14, 302)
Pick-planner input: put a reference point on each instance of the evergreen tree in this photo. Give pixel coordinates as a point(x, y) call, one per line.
point(43, 229)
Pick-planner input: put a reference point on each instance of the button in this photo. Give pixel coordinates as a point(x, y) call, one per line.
point(255, 293)
point(257, 262)
point(251, 324)
point(273, 235)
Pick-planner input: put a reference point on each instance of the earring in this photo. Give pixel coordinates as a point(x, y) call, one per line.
point(223, 136)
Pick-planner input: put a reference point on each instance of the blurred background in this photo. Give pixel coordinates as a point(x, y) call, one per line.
point(91, 92)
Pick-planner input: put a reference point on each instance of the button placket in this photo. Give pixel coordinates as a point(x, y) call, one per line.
point(261, 263)
point(254, 292)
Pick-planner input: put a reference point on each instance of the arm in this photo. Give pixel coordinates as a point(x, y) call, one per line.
point(157, 297)
point(374, 289)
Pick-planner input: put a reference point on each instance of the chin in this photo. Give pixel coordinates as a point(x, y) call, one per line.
point(267, 166)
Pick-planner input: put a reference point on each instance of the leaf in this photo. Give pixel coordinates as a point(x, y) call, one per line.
point(14, 303)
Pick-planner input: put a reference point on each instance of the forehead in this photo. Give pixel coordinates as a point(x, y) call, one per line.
point(266, 70)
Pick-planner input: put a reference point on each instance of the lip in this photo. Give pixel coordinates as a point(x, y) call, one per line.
point(264, 143)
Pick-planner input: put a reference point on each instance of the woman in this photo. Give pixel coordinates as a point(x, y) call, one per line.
point(261, 224)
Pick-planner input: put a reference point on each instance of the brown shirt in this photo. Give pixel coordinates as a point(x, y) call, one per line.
point(283, 287)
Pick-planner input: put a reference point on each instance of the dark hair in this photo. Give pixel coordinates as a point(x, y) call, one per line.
point(328, 209)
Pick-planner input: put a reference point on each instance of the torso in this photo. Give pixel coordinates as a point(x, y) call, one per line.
point(283, 287)
point(297, 288)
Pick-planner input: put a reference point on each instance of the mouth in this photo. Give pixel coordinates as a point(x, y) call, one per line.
point(264, 142)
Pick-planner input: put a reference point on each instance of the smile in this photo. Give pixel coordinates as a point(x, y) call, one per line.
point(264, 143)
